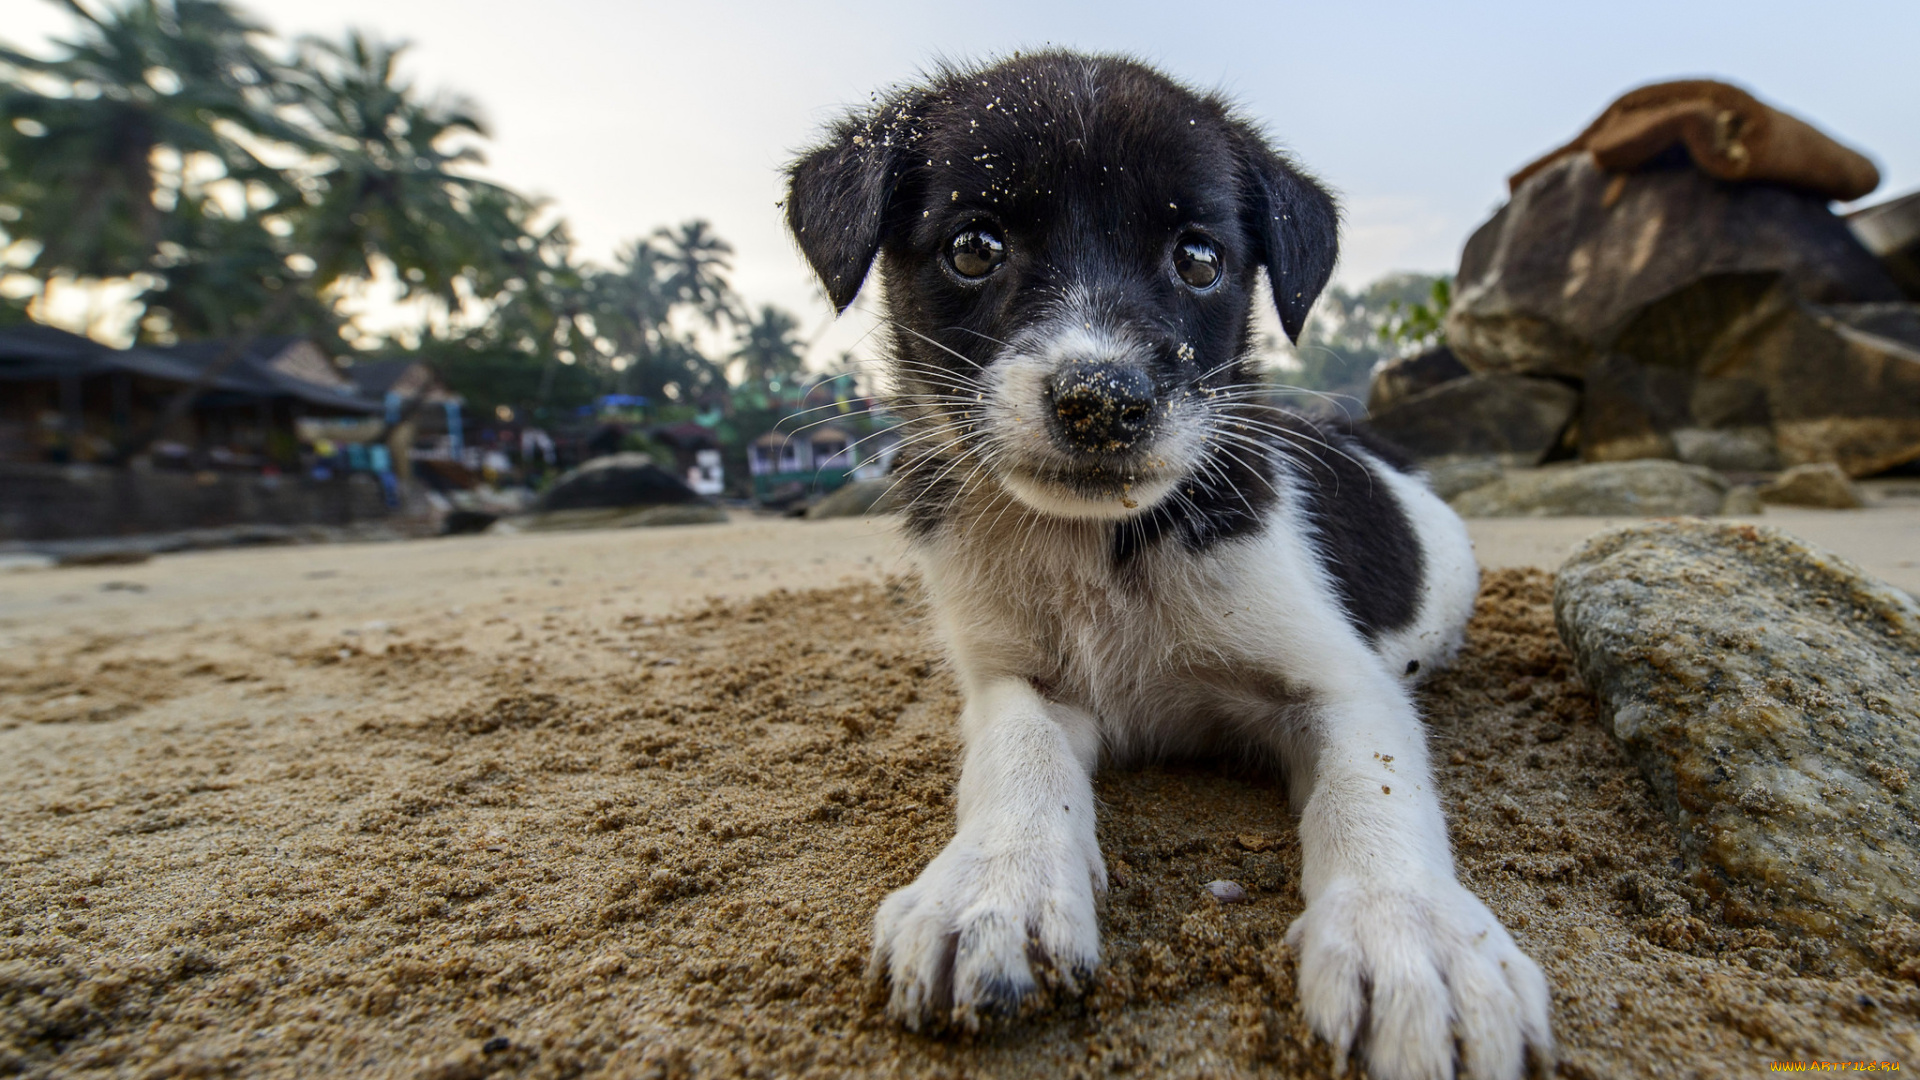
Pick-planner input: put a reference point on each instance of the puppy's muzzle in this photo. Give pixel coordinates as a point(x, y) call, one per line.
point(1102, 408)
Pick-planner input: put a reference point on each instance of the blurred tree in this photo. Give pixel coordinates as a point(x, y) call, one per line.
point(247, 193)
point(770, 345)
point(648, 308)
point(694, 265)
point(104, 139)
point(382, 191)
point(530, 347)
point(389, 188)
point(1414, 327)
point(1343, 339)
point(218, 276)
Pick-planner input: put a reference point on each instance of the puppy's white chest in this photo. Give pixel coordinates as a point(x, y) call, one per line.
point(1139, 648)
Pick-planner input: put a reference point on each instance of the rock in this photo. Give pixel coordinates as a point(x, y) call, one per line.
point(1227, 892)
point(855, 499)
point(465, 522)
point(105, 556)
point(1738, 449)
point(1837, 384)
point(1627, 409)
point(1452, 476)
point(1396, 380)
point(1825, 486)
point(1610, 489)
point(694, 513)
point(1724, 132)
point(616, 480)
point(1770, 693)
point(25, 560)
point(1743, 501)
point(1480, 415)
point(1891, 230)
point(1565, 265)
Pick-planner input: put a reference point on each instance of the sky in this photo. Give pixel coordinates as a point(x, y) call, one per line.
point(634, 115)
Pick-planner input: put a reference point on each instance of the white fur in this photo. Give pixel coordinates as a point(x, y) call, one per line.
point(1017, 423)
point(1243, 646)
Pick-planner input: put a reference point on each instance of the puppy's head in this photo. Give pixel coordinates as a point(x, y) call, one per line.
point(1070, 246)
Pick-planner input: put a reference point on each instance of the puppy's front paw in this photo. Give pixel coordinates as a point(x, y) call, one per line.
point(964, 937)
point(1419, 968)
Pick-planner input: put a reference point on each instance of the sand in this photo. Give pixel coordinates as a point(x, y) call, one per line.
point(527, 806)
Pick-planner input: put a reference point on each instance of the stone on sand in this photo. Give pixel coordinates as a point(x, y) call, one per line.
point(1577, 252)
point(1509, 415)
point(1402, 377)
point(1619, 488)
point(1770, 693)
point(616, 480)
point(1826, 486)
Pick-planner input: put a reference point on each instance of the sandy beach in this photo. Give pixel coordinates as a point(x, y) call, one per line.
point(622, 804)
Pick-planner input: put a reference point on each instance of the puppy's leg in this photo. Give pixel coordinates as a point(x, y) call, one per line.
point(1397, 957)
point(1019, 877)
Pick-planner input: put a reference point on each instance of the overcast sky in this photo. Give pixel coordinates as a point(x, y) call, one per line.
point(633, 115)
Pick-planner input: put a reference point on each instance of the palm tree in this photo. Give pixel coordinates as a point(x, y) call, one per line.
point(770, 345)
point(694, 265)
point(636, 303)
point(217, 276)
point(386, 188)
point(80, 175)
point(392, 185)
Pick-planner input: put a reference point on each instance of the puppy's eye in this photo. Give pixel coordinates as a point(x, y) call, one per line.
point(976, 252)
point(1197, 262)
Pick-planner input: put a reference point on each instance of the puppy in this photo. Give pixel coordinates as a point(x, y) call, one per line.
point(1131, 553)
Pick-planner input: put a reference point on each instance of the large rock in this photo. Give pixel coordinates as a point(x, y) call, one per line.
point(616, 480)
point(1837, 384)
point(1770, 693)
point(1610, 489)
point(1823, 486)
point(1891, 230)
point(1508, 415)
point(1449, 477)
point(1402, 377)
point(1745, 448)
point(1735, 372)
point(1628, 410)
point(1565, 265)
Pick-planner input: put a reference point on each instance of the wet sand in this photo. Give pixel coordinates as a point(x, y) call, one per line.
point(531, 806)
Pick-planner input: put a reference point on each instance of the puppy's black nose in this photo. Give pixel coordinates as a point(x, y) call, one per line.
point(1103, 408)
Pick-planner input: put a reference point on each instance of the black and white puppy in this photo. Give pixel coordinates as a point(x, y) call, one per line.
point(1132, 553)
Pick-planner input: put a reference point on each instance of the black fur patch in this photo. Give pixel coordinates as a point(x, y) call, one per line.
point(1230, 499)
point(1365, 539)
point(925, 487)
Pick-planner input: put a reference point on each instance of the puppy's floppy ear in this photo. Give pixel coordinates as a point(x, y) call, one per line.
point(838, 194)
point(1296, 223)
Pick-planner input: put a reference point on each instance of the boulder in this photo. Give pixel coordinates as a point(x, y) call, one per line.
point(1562, 269)
point(1610, 489)
point(616, 480)
point(614, 517)
point(1836, 384)
point(1823, 485)
point(1628, 409)
point(1746, 449)
point(856, 498)
point(1510, 415)
point(1398, 379)
point(1770, 693)
point(1453, 476)
point(1724, 132)
point(1891, 230)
